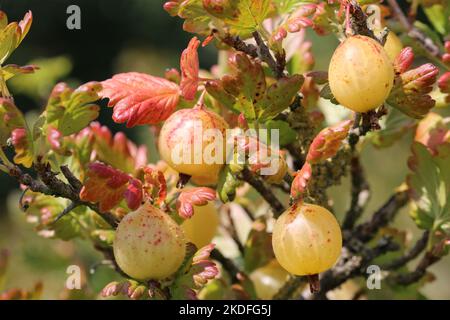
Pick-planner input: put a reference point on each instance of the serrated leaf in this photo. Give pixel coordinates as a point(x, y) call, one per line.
point(199, 272)
point(69, 111)
point(155, 186)
point(193, 197)
point(116, 150)
point(327, 142)
point(195, 16)
point(250, 14)
point(189, 66)
point(140, 98)
point(279, 96)
point(258, 247)
point(395, 127)
point(429, 185)
point(104, 185)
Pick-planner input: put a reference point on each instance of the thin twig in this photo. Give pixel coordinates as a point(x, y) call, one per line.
point(425, 42)
point(408, 278)
point(66, 210)
point(360, 194)
point(265, 192)
point(233, 232)
point(227, 264)
point(266, 56)
point(290, 288)
point(418, 247)
point(382, 216)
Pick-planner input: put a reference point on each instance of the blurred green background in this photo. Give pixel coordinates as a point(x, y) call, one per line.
point(131, 35)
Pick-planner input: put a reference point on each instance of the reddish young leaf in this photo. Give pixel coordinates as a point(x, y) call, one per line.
point(104, 185)
point(300, 182)
point(189, 70)
point(54, 138)
point(23, 147)
point(327, 142)
point(444, 85)
point(193, 197)
point(155, 186)
point(140, 98)
point(433, 131)
point(133, 194)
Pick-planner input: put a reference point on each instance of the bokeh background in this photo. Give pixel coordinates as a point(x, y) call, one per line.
point(132, 35)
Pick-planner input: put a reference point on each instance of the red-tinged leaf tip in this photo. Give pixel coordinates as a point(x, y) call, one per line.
point(193, 197)
point(189, 66)
point(139, 98)
point(444, 83)
point(404, 60)
point(173, 75)
point(133, 194)
point(204, 252)
point(171, 7)
point(104, 185)
point(433, 131)
point(327, 142)
point(300, 182)
point(155, 186)
point(207, 40)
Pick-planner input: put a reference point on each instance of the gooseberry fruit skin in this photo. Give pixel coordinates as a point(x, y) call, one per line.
point(180, 128)
point(268, 279)
point(149, 244)
point(307, 239)
point(360, 74)
point(201, 228)
point(393, 46)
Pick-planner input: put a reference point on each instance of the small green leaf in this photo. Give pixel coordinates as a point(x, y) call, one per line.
point(279, 96)
point(395, 127)
point(438, 16)
point(429, 184)
point(258, 247)
point(70, 111)
point(286, 133)
point(327, 94)
point(251, 13)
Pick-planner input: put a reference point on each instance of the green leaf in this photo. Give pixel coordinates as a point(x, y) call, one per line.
point(287, 6)
point(438, 16)
point(251, 13)
point(395, 127)
point(258, 247)
point(286, 133)
point(196, 18)
point(429, 184)
point(8, 40)
point(279, 96)
point(70, 111)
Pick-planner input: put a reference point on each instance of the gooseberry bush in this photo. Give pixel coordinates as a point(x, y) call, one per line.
point(157, 223)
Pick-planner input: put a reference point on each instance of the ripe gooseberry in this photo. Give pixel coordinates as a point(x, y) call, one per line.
point(149, 244)
point(183, 143)
point(360, 74)
point(201, 228)
point(306, 239)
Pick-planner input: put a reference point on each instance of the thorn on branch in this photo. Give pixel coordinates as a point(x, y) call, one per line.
point(66, 210)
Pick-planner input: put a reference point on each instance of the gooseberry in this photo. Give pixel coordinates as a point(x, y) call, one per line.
point(306, 239)
point(201, 228)
point(149, 244)
point(360, 74)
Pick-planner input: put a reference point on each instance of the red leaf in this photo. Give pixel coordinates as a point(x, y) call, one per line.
point(193, 197)
point(155, 185)
point(189, 70)
point(133, 194)
point(327, 142)
point(104, 185)
point(404, 60)
point(140, 98)
point(300, 183)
